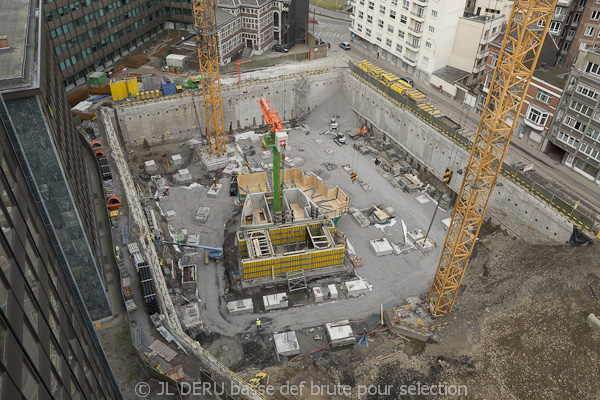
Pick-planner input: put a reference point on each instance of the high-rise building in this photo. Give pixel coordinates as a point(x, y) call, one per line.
point(575, 130)
point(48, 347)
point(587, 33)
point(37, 121)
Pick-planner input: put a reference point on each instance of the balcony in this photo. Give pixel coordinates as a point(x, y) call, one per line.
point(410, 61)
point(415, 31)
point(534, 125)
point(421, 2)
point(559, 17)
point(413, 46)
point(419, 16)
point(564, 3)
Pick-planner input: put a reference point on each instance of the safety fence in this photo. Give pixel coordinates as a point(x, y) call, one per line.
point(566, 208)
point(264, 63)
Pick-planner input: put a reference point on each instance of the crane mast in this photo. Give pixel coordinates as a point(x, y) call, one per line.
point(518, 56)
point(276, 139)
point(208, 58)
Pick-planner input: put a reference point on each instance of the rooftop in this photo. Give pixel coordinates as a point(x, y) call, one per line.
point(451, 74)
point(245, 3)
point(556, 76)
point(17, 62)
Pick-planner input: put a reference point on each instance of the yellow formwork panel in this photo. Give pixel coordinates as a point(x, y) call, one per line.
point(132, 86)
point(118, 90)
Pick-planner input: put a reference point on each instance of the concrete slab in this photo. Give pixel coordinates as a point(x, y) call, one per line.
point(193, 239)
point(422, 199)
point(244, 306)
point(214, 190)
point(176, 159)
point(361, 218)
point(318, 293)
point(184, 175)
point(381, 247)
point(333, 293)
point(357, 287)
point(446, 223)
point(286, 343)
point(202, 214)
point(275, 301)
point(150, 166)
point(171, 215)
point(340, 333)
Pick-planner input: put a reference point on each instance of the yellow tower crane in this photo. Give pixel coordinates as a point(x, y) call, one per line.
point(208, 57)
point(518, 56)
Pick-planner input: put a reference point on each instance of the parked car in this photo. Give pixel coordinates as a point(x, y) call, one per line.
point(279, 48)
point(345, 45)
point(321, 41)
point(408, 80)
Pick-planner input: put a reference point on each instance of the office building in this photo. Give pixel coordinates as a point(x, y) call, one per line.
point(48, 346)
point(37, 120)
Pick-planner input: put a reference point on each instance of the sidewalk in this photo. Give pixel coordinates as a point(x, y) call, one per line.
point(563, 181)
point(324, 12)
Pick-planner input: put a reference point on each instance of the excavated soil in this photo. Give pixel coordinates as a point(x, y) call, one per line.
point(517, 331)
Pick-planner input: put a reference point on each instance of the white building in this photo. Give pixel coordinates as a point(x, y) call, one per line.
point(416, 35)
point(490, 8)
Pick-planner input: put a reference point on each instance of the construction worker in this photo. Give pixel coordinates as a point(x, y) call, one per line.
point(258, 324)
point(214, 180)
point(262, 164)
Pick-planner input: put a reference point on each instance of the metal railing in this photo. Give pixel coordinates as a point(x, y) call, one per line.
point(566, 208)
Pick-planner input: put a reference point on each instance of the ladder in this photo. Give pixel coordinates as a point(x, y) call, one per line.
point(296, 280)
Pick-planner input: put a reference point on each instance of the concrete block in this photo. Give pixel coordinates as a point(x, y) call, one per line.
point(176, 159)
point(340, 333)
point(151, 166)
point(381, 247)
point(286, 343)
point(171, 215)
point(265, 155)
point(422, 199)
point(275, 301)
point(184, 175)
point(230, 168)
point(446, 223)
point(593, 322)
point(333, 293)
point(415, 235)
point(214, 190)
point(243, 306)
point(361, 218)
point(193, 239)
point(357, 288)
point(202, 214)
point(318, 294)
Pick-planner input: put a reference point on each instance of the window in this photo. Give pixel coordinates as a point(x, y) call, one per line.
point(394, 2)
point(428, 45)
point(589, 31)
point(570, 140)
point(403, 19)
point(400, 34)
point(537, 117)
point(543, 96)
point(390, 28)
point(361, 15)
point(587, 91)
point(494, 60)
point(415, 42)
point(368, 32)
point(382, 10)
point(380, 23)
point(574, 124)
point(431, 29)
point(566, 46)
point(371, 5)
point(434, 13)
point(554, 27)
point(388, 42)
point(571, 34)
point(392, 14)
point(399, 48)
point(379, 38)
point(595, 16)
point(369, 19)
point(362, 2)
point(590, 151)
point(581, 108)
point(405, 5)
point(359, 27)
point(593, 134)
point(592, 68)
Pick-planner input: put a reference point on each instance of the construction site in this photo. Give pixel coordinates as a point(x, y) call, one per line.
point(306, 234)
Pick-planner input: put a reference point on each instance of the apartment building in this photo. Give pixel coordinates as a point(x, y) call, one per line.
point(587, 33)
point(416, 35)
point(48, 346)
point(489, 8)
point(90, 35)
point(575, 131)
point(37, 120)
point(563, 28)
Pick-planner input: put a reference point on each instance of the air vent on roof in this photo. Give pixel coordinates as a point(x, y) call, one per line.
point(4, 42)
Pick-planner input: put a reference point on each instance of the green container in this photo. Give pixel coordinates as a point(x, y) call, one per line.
point(180, 238)
point(97, 78)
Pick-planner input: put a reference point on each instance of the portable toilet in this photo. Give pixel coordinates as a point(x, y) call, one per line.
point(168, 86)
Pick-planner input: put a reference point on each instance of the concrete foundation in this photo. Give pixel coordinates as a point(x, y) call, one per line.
point(171, 215)
point(381, 247)
point(214, 190)
point(318, 293)
point(275, 301)
point(361, 218)
point(150, 166)
point(176, 159)
point(340, 333)
point(333, 293)
point(357, 288)
point(202, 214)
point(183, 175)
point(243, 306)
point(286, 343)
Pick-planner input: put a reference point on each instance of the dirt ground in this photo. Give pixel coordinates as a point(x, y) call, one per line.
point(517, 331)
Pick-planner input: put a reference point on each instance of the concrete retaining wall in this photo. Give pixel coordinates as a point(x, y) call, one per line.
point(511, 207)
point(179, 118)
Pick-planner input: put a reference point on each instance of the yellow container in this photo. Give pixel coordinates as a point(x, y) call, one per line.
point(118, 90)
point(132, 86)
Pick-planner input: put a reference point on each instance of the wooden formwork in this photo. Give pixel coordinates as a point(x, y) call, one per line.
point(252, 183)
